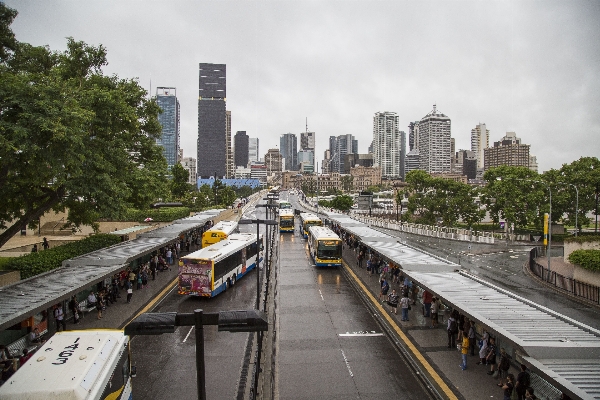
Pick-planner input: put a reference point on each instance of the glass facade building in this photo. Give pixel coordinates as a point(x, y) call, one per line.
point(166, 98)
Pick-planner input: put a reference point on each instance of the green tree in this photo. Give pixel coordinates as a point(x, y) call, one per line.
point(73, 138)
point(205, 197)
point(179, 182)
point(515, 194)
point(584, 174)
point(343, 202)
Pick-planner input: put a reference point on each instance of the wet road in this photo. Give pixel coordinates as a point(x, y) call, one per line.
point(166, 364)
point(330, 346)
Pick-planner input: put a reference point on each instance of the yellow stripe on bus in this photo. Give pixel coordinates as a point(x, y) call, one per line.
point(436, 377)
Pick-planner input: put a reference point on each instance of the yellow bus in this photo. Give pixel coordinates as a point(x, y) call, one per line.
point(307, 220)
point(286, 220)
point(219, 232)
point(325, 247)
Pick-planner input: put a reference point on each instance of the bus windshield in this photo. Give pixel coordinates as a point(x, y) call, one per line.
point(329, 249)
point(286, 222)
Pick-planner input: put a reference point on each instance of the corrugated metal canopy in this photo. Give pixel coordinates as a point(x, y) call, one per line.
point(576, 377)
point(30, 296)
point(410, 258)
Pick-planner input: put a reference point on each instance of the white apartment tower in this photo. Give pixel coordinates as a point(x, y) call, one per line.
point(387, 144)
point(480, 140)
point(435, 143)
point(253, 154)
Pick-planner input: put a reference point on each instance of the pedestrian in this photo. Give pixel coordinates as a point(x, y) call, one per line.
point(522, 383)
point(144, 279)
point(129, 294)
point(131, 278)
point(169, 255)
point(427, 299)
point(393, 301)
point(100, 305)
point(405, 304)
point(483, 348)
point(530, 396)
point(74, 307)
point(508, 386)
point(464, 350)
point(452, 329)
point(34, 249)
point(471, 336)
point(139, 279)
point(434, 312)
point(503, 366)
point(45, 244)
point(490, 358)
point(385, 287)
point(59, 316)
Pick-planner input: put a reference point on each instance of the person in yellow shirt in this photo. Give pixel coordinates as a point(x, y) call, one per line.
point(464, 350)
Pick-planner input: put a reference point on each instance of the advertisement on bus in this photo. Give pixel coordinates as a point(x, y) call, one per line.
point(195, 277)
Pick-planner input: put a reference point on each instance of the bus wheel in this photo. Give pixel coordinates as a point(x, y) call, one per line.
point(227, 283)
point(233, 280)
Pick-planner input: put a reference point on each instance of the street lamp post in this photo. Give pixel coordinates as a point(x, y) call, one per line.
point(258, 222)
point(231, 321)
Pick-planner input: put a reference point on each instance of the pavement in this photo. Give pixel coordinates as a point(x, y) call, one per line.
point(472, 383)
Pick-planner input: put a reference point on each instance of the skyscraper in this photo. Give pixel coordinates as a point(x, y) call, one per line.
point(480, 140)
point(307, 141)
point(253, 154)
point(388, 150)
point(212, 133)
point(339, 147)
point(166, 98)
point(229, 153)
point(241, 142)
point(288, 146)
point(434, 143)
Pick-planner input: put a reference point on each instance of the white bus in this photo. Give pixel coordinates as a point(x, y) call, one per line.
point(220, 231)
point(75, 365)
point(211, 270)
point(325, 247)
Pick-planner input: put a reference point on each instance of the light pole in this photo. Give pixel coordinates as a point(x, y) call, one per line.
point(258, 222)
point(549, 216)
point(231, 321)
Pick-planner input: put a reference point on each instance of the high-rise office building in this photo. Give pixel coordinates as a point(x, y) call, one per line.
point(212, 121)
point(413, 135)
point(288, 146)
point(241, 142)
point(166, 98)
point(339, 147)
point(388, 148)
point(307, 148)
point(229, 154)
point(253, 150)
point(435, 143)
point(508, 151)
point(273, 162)
point(480, 140)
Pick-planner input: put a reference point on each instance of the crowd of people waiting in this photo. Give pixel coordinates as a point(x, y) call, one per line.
point(460, 329)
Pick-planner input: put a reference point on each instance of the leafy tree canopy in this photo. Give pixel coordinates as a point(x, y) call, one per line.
point(71, 137)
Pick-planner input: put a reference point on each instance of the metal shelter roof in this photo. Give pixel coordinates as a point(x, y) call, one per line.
point(562, 350)
point(30, 296)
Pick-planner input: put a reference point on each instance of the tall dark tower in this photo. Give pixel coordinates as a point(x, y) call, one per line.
point(212, 140)
point(241, 143)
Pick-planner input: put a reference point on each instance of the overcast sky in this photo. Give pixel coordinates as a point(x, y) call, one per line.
point(532, 67)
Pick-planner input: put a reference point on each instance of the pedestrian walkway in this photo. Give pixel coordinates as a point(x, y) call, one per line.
point(118, 314)
point(473, 383)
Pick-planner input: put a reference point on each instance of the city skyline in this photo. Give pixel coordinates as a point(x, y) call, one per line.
point(524, 67)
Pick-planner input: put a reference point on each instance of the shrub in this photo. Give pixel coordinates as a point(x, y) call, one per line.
point(47, 260)
point(587, 259)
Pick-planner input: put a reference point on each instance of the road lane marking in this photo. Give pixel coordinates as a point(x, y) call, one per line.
point(321, 295)
point(347, 363)
point(188, 335)
point(436, 377)
point(359, 334)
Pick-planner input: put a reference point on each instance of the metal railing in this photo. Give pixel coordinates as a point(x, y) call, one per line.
point(570, 285)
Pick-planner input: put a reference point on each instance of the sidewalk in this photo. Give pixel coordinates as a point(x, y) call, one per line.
point(473, 383)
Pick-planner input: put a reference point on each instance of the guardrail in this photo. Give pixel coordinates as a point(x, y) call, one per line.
point(574, 287)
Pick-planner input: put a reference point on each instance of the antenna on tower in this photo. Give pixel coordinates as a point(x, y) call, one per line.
point(306, 124)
